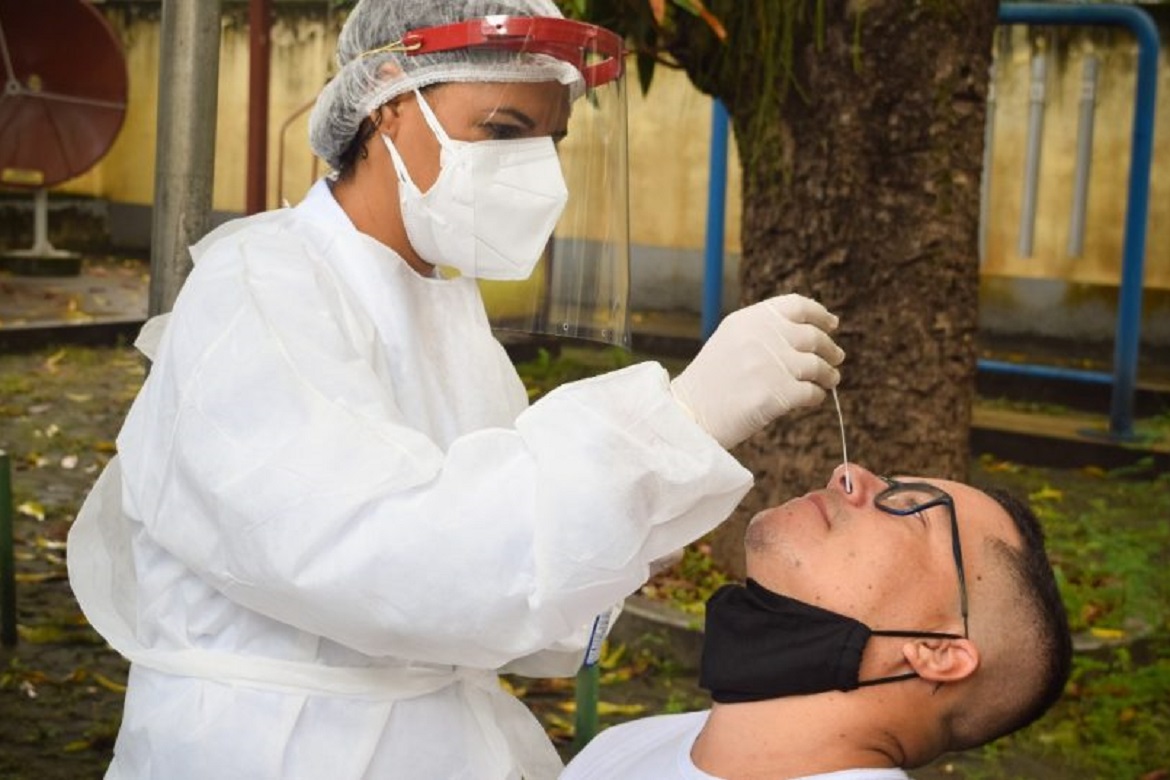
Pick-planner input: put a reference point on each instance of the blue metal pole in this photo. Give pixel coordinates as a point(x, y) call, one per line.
point(1046, 372)
point(1129, 306)
point(716, 220)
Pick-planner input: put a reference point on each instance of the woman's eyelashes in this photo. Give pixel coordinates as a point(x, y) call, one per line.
point(501, 131)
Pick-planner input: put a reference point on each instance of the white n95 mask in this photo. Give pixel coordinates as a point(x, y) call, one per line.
point(493, 207)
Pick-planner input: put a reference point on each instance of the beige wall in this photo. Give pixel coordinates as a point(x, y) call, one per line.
point(669, 132)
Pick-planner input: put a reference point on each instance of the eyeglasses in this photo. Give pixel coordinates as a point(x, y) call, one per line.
point(902, 499)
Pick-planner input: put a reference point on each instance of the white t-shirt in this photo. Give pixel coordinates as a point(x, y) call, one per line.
point(659, 748)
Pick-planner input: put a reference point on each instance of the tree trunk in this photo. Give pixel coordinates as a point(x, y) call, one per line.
point(861, 190)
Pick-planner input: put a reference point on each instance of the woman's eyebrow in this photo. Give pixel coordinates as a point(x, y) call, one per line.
point(516, 114)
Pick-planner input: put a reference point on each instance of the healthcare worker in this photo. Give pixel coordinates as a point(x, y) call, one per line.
point(334, 517)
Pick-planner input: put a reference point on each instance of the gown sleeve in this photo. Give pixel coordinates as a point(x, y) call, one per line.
point(266, 454)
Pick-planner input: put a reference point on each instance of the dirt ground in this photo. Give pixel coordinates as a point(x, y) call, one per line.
point(61, 687)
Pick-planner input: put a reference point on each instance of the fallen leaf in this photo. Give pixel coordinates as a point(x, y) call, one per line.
point(32, 509)
point(1107, 633)
point(40, 576)
point(658, 9)
point(1046, 493)
point(1005, 466)
point(52, 361)
point(108, 684)
point(79, 397)
point(557, 727)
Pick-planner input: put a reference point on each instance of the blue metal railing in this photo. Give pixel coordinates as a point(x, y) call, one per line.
point(1129, 305)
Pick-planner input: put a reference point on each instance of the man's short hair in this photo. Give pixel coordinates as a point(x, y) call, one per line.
point(1045, 638)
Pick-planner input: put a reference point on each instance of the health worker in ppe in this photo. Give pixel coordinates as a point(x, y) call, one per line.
point(334, 517)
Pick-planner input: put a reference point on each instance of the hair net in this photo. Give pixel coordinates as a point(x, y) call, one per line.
point(366, 81)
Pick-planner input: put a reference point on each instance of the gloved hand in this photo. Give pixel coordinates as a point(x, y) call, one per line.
point(761, 362)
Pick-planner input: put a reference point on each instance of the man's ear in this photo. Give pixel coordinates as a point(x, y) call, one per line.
point(942, 660)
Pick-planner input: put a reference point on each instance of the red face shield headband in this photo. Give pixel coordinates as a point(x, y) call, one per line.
point(594, 51)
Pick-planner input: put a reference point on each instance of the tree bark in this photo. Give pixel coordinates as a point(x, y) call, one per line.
point(861, 190)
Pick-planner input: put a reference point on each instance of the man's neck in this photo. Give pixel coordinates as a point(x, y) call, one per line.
point(799, 736)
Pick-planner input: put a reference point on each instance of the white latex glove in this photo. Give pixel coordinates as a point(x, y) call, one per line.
point(761, 362)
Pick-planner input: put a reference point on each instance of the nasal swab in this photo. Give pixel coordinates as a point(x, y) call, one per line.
point(844, 447)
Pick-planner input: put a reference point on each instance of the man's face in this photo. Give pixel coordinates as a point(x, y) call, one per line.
point(840, 552)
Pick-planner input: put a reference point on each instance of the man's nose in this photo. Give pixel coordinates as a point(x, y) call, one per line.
point(864, 483)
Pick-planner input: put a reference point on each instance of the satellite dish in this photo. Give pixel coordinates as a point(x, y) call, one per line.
point(64, 96)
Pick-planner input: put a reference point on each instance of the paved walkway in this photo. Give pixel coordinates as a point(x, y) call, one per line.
point(115, 294)
point(107, 290)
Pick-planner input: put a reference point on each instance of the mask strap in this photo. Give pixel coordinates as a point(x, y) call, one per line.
point(884, 680)
point(399, 163)
point(909, 635)
point(432, 120)
point(918, 634)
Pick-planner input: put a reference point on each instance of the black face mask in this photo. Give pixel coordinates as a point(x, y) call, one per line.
point(762, 645)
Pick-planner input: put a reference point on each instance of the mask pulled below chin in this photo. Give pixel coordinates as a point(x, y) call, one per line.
point(762, 645)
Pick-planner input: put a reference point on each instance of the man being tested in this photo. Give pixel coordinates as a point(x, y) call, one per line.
point(878, 629)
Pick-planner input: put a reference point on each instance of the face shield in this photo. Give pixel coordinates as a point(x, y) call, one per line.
point(539, 148)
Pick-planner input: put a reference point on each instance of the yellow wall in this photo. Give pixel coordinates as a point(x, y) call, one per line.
point(670, 137)
point(302, 51)
point(669, 132)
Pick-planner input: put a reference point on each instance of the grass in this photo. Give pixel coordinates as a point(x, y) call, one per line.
point(1109, 541)
point(1109, 536)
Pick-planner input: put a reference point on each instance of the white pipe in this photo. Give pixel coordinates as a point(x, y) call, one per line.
point(1076, 229)
point(1032, 155)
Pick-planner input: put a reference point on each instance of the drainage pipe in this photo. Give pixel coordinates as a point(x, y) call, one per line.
point(716, 221)
point(1129, 306)
point(1076, 227)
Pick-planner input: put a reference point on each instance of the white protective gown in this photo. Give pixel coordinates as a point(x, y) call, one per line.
point(333, 517)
